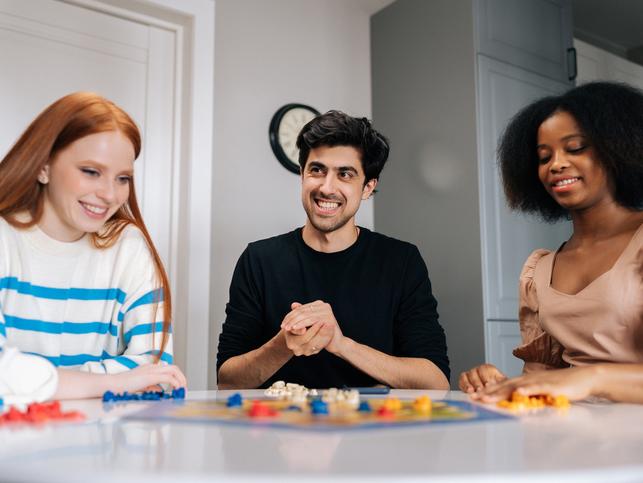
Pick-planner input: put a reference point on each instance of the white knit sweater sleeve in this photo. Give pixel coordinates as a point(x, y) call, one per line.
point(25, 378)
point(141, 332)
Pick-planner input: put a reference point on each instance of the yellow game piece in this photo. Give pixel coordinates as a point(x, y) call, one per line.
point(392, 404)
point(519, 402)
point(561, 402)
point(423, 405)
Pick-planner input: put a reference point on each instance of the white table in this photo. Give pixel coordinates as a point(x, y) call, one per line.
point(590, 442)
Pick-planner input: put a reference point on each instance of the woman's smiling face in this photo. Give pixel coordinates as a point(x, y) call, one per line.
point(568, 165)
point(85, 184)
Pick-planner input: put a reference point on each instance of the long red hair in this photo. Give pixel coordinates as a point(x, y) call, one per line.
point(68, 119)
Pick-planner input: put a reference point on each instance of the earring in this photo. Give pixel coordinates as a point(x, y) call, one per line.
point(42, 178)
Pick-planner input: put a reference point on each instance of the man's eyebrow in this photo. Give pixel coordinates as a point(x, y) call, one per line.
point(316, 164)
point(343, 169)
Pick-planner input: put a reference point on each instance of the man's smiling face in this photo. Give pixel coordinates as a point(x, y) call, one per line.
point(332, 187)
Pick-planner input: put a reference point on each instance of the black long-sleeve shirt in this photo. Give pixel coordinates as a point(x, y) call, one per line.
point(378, 288)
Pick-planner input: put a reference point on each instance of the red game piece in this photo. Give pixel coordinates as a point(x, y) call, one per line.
point(385, 412)
point(40, 413)
point(261, 410)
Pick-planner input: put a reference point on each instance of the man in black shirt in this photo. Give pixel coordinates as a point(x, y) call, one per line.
point(333, 304)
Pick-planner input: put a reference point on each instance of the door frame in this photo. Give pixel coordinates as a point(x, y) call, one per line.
point(192, 21)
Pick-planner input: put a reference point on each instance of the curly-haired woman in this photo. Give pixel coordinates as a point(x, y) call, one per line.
point(578, 155)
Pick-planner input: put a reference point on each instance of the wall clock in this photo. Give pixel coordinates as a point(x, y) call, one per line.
point(283, 131)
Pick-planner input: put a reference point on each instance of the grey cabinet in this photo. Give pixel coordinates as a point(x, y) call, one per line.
point(534, 35)
point(447, 76)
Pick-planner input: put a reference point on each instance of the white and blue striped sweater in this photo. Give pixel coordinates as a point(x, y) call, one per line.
point(78, 306)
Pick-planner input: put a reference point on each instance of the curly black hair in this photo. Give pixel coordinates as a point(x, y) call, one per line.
point(609, 114)
point(335, 128)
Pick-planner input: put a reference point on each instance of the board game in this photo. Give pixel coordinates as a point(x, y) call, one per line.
point(315, 414)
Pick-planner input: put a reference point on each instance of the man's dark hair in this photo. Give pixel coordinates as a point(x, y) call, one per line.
point(335, 128)
point(609, 114)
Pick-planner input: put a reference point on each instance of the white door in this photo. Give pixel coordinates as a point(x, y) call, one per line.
point(49, 48)
point(507, 237)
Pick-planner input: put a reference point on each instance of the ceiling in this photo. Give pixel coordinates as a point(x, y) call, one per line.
point(373, 6)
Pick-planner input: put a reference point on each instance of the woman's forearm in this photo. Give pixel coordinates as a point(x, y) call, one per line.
point(618, 382)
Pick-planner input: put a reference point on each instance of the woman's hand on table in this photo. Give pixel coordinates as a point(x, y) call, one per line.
point(149, 375)
point(479, 377)
point(575, 383)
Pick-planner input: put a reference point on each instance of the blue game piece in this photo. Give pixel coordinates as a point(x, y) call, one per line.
point(109, 396)
point(319, 407)
point(364, 407)
point(294, 408)
point(150, 396)
point(234, 401)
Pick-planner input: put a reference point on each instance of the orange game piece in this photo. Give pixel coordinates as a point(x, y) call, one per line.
point(392, 404)
point(423, 405)
point(520, 402)
point(561, 402)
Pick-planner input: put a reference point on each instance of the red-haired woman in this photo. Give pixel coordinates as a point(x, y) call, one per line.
point(81, 283)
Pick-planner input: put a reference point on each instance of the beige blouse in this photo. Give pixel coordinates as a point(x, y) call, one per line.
point(601, 323)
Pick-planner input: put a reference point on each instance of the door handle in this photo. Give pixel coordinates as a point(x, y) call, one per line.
point(572, 65)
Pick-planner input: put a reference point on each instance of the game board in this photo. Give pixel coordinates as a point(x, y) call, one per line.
point(382, 413)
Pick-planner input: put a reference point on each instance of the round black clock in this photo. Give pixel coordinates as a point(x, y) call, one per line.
point(284, 129)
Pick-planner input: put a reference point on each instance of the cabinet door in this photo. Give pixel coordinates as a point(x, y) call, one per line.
point(507, 237)
point(592, 63)
point(502, 337)
point(595, 64)
point(532, 34)
point(623, 70)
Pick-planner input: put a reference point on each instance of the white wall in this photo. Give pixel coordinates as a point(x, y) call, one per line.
point(267, 54)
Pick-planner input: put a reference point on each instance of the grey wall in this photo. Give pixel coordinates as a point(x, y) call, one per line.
point(424, 100)
point(269, 53)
